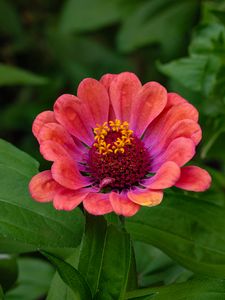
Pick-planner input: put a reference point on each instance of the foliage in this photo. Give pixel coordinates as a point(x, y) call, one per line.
point(172, 251)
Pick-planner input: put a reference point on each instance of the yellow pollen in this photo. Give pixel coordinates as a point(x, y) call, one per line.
point(101, 131)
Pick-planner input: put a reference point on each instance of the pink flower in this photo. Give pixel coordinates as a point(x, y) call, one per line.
point(117, 146)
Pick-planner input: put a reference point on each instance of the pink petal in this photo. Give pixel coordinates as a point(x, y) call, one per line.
point(53, 151)
point(148, 104)
point(107, 79)
point(122, 205)
point(123, 90)
point(59, 135)
point(96, 98)
point(43, 187)
point(145, 197)
point(180, 151)
point(72, 113)
point(194, 179)
point(168, 119)
point(166, 176)
point(184, 128)
point(174, 99)
point(66, 173)
point(97, 204)
point(41, 119)
point(67, 199)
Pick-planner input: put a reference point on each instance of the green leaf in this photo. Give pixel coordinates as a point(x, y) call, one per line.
point(71, 277)
point(156, 268)
point(8, 271)
point(81, 15)
point(11, 247)
point(99, 258)
point(23, 219)
point(17, 159)
point(188, 71)
point(10, 75)
point(132, 281)
point(208, 39)
point(195, 289)
point(115, 265)
point(33, 281)
point(59, 290)
point(92, 250)
point(188, 229)
point(163, 21)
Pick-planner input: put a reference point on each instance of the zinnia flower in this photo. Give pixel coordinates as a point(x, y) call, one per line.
point(116, 146)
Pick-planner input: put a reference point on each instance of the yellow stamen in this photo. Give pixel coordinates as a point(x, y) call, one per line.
point(101, 131)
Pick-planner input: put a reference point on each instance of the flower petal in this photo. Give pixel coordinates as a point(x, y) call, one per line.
point(107, 79)
point(145, 197)
point(123, 90)
point(96, 98)
point(72, 113)
point(148, 104)
point(56, 133)
point(122, 205)
point(97, 204)
point(194, 179)
point(166, 176)
point(41, 119)
point(184, 128)
point(174, 99)
point(180, 151)
point(43, 187)
point(67, 199)
point(168, 119)
point(53, 151)
point(66, 173)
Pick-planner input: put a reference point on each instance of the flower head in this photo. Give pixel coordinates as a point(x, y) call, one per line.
point(116, 146)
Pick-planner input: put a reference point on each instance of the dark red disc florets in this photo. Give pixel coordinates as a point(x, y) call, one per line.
point(119, 170)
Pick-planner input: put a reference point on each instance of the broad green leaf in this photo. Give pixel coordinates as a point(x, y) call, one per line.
point(13, 157)
point(71, 277)
point(81, 15)
point(188, 71)
point(23, 219)
point(163, 21)
point(34, 279)
point(92, 250)
point(59, 290)
point(132, 281)
point(115, 265)
point(11, 247)
point(10, 75)
point(208, 39)
point(99, 258)
point(188, 229)
point(195, 289)
point(8, 271)
point(156, 268)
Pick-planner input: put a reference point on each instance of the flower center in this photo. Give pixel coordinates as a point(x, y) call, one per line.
point(117, 158)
